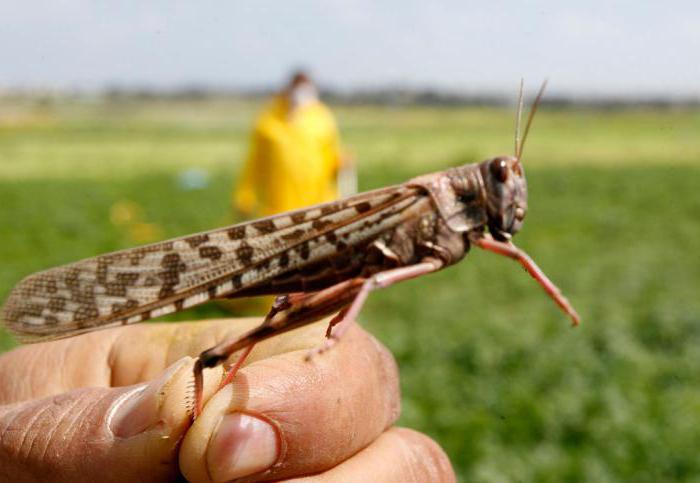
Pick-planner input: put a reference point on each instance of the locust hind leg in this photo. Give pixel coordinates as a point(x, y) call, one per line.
point(297, 310)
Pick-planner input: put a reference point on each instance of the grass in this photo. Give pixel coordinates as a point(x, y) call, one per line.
point(489, 366)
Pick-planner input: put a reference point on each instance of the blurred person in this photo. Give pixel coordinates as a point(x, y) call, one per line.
point(295, 156)
point(294, 161)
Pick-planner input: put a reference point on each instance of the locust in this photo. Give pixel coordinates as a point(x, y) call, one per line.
point(319, 261)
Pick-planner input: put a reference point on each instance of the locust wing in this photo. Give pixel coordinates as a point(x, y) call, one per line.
point(136, 284)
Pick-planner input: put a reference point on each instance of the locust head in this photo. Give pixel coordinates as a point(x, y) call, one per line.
point(504, 187)
point(505, 195)
point(490, 194)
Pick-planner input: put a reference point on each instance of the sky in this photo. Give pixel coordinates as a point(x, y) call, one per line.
point(635, 48)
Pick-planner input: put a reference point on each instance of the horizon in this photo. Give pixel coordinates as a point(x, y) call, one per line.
point(379, 95)
point(604, 49)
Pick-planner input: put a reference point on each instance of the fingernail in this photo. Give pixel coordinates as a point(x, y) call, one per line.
point(141, 409)
point(242, 445)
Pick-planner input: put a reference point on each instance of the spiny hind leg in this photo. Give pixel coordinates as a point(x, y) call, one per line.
point(348, 297)
point(296, 310)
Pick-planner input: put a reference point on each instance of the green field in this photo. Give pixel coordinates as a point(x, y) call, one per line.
point(490, 367)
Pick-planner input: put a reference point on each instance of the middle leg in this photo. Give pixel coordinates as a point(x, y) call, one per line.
point(379, 280)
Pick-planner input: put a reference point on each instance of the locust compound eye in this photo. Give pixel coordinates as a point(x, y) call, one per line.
point(499, 169)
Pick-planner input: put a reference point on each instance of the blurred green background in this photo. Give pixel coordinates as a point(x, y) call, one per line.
point(490, 367)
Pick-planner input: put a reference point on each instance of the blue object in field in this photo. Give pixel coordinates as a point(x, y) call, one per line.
point(193, 179)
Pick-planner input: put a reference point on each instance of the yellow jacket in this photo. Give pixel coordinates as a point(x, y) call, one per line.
point(293, 160)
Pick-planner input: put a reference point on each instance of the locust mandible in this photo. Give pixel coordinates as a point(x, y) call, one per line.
point(320, 260)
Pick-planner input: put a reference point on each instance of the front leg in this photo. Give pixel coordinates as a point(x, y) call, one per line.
point(509, 250)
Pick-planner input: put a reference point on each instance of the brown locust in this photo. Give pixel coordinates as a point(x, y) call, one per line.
point(320, 260)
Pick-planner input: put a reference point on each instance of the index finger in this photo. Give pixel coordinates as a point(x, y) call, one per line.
point(124, 356)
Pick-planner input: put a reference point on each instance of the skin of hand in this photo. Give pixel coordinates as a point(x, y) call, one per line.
point(114, 405)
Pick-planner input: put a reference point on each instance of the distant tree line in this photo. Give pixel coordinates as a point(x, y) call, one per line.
point(386, 96)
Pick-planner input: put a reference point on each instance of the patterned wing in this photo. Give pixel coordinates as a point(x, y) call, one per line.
point(136, 284)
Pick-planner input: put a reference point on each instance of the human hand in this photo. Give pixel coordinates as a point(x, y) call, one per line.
point(79, 409)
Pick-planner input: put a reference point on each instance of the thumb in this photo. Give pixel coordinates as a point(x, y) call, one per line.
point(99, 434)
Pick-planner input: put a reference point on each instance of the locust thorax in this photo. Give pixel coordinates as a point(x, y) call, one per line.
point(490, 194)
point(505, 191)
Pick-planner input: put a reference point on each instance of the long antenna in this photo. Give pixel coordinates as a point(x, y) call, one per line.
point(518, 117)
point(530, 117)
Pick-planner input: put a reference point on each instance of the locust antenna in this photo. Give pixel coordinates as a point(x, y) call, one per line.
point(530, 117)
point(518, 117)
